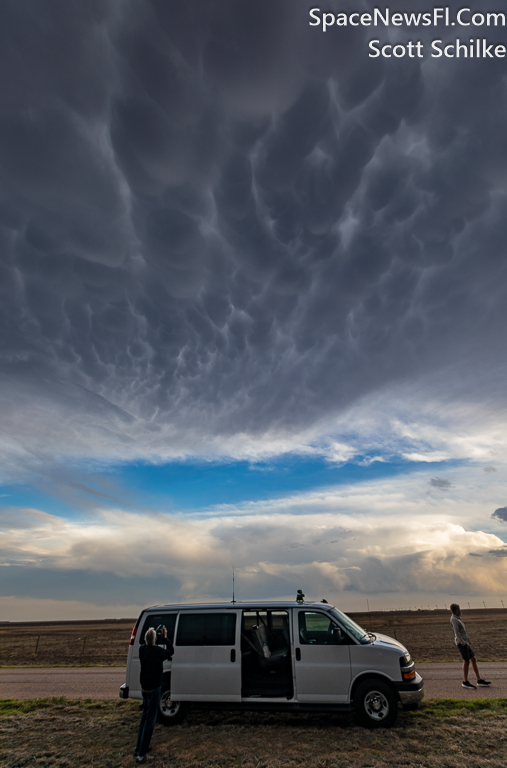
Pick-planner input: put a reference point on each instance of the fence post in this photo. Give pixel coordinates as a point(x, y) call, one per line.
point(37, 644)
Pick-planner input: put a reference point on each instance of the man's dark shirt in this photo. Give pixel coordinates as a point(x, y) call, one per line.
point(152, 659)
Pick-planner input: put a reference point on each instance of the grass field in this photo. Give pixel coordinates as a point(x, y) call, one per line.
point(427, 635)
point(60, 733)
point(444, 734)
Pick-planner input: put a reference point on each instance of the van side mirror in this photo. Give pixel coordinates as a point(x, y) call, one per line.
point(337, 636)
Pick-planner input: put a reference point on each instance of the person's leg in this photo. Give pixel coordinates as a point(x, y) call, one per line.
point(151, 700)
point(142, 723)
point(480, 680)
point(476, 668)
point(466, 667)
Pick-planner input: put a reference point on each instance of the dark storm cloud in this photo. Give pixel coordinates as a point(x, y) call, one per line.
point(215, 217)
point(500, 514)
point(83, 585)
point(441, 483)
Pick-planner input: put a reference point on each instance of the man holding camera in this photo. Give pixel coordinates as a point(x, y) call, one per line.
point(152, 657)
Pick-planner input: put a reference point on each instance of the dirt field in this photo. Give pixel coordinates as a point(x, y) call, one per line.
point(75, 643)
point(427, 635)
point(60, 734)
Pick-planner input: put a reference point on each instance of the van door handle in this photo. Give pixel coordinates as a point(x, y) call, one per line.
point(298, 654)
point(233, 654)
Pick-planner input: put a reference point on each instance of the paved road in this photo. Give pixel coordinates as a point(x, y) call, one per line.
point(71, 682)
point(440, 681)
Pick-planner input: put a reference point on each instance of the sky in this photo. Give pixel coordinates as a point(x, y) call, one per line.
point(253, 306)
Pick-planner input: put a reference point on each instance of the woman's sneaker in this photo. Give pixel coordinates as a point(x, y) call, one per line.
point(466, 684)
point(482, 682)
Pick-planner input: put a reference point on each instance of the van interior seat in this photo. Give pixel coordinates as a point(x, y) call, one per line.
point(261, 643)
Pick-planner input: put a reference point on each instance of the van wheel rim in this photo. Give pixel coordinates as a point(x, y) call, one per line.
point(168, 707)
point(376, 705)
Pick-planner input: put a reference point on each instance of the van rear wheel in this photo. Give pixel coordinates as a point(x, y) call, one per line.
point(375, 704)
point(170, 712)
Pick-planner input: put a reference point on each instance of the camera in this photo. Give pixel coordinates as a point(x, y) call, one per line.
point(161, 637)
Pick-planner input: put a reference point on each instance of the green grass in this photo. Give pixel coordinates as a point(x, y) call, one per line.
point(453, 707)
point(62, 733)
point(59, 666)
point(11, 707)
point(432, 708)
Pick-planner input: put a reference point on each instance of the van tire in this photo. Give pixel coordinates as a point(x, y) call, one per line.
point(375, 704)
point(170, 712)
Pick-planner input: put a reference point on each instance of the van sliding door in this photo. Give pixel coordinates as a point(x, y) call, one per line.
point(206, 665)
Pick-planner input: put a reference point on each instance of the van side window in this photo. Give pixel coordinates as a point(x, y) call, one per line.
point(206, 629)
point(265, 632)
point(167, 620)
point(315, 628)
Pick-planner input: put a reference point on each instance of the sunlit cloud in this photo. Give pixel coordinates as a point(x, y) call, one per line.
point(383, 538)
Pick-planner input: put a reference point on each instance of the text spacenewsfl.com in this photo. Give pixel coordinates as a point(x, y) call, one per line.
point(473, 47)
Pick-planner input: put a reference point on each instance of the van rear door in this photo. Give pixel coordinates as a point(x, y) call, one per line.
point(145, 622)
point(322, 665)
point(206, 665)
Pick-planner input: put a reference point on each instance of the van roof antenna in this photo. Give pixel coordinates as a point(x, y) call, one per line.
point(233, 600)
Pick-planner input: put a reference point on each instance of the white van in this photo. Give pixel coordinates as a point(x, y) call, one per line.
point(275, 656)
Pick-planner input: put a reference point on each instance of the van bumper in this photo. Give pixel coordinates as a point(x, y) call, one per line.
point(124, 691)
point(411, 694)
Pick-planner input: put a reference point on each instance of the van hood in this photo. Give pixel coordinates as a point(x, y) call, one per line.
point(386, 640)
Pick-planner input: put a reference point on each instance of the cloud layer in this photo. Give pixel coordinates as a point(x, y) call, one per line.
point(225, 234)
point(385, 539)
point(217, 222)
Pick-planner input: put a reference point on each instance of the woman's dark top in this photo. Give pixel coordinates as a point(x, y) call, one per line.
point(152, 659)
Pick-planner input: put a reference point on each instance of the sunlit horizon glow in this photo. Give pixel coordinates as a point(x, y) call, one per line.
point(253, 313)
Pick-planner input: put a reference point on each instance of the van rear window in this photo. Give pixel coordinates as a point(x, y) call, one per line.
point(206, 629)
point(167, 620)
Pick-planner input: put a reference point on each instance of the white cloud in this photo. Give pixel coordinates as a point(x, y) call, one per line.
point(393, 536)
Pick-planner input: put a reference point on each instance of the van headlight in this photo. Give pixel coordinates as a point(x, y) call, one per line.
point(407, 667)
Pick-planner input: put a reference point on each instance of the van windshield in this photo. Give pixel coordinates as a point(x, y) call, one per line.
point(354, 629)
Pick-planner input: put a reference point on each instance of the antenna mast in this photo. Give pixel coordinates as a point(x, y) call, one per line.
point(233, 600)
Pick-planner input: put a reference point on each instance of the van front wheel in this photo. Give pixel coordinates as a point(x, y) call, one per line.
point(170, 712)
point(375, 704)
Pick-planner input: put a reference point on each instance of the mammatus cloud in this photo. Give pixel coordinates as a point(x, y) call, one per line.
point(201, 244)
point(226, 234)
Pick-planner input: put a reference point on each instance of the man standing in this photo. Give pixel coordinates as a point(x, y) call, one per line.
point(463, 643)
point(152, 659)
